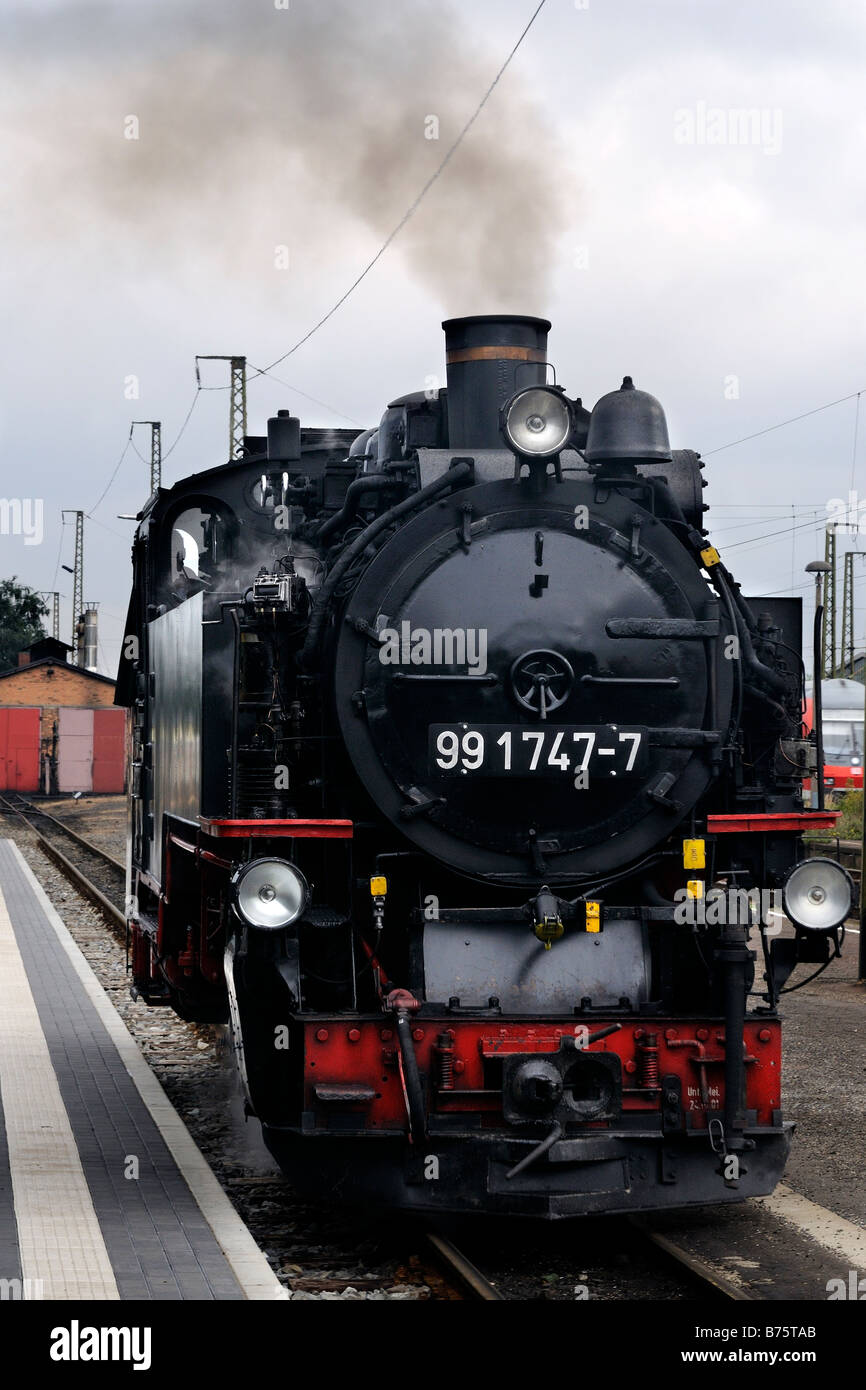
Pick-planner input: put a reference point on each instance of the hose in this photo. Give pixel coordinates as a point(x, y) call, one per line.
point(410, 1076)
point(742, 617)
point(458, 473)
point(761, 673)
point(354, 492)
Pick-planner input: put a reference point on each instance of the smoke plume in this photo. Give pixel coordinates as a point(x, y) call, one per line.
point(259, 127)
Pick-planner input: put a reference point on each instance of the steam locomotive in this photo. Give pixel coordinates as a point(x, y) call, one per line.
point(459, 765)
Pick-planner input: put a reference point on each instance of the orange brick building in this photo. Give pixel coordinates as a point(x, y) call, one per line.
point(59, 727)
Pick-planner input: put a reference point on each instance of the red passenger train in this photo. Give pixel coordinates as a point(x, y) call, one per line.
point(842, 707)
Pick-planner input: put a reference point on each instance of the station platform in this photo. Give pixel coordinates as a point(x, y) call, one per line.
point(103, 1192)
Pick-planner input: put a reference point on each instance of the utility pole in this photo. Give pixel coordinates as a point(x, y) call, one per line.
point(55, 610)
point(237, 400)
point(819, 568)
point(828, 630)
point(77, 588)
point(155, 452)
point(846, 655)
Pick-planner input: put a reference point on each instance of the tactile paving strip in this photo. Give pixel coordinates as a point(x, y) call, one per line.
point(156, 1242)
point(59, 1240)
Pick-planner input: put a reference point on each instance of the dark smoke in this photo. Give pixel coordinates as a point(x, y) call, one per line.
point(261, 126)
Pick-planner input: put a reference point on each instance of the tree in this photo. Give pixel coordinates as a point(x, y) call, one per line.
point(21, 614)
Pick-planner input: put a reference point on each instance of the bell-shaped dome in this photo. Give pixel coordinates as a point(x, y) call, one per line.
point(627, 424)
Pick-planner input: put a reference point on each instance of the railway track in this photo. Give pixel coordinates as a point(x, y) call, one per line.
point(585, 1261)
point(414, 1262)
point(267, 1202)
point(711, 1280)
point(461, 1271)
point(97, 874)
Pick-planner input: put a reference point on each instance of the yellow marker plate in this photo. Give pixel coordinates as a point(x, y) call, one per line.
point(694, 854)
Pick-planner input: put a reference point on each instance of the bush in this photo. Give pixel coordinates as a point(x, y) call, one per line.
point(849, 826)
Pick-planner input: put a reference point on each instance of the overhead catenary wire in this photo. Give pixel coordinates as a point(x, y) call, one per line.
point(813, 522)
point(130, 444)
point(408, 214)
point(757, 521)
point(171, 448)
point(102, 526)
point(781, 424)
point(59, 550)
point(810, 584)
point(100, 499)
point(413, 206)
point(854, 446)
point(259, 372)
point(262, 371)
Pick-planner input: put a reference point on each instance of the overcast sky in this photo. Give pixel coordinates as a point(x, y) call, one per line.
point(609, 184)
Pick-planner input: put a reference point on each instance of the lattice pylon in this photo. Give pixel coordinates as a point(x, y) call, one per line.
point(238, 406)
point(237, 396)
point(828, 627)
point(77, 581)
point(846, 655)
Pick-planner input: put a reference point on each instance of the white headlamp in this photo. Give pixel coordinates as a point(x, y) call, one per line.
point(537, 421)
point(817, 895)
point(270, 893)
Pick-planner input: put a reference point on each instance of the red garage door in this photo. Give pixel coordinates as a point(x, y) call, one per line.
point(109, 749)
point(19, 750)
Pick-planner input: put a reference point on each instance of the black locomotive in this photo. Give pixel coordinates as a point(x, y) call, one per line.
point(459, 765)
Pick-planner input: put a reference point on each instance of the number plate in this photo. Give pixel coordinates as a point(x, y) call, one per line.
point(552, 750)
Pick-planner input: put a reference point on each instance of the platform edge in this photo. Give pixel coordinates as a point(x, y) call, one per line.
point(249, 1266)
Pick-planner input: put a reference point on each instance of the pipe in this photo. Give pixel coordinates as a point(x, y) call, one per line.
point(236, 695)
point(764, 674)
point(538, 1152)
point(734, 956)
point(737, 716)
point(739, 609)
point(410, 1076)
point(817, 704)
point(457, 473)
point(376, 483)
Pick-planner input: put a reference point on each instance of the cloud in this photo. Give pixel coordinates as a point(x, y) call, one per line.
point(219, 132)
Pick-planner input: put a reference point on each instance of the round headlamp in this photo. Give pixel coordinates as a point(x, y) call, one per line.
point(537, 421)
point(270, 893)
point(817, 895)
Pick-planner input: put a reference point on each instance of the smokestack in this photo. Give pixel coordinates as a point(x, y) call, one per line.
point(91, 659)
point(489, 357)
